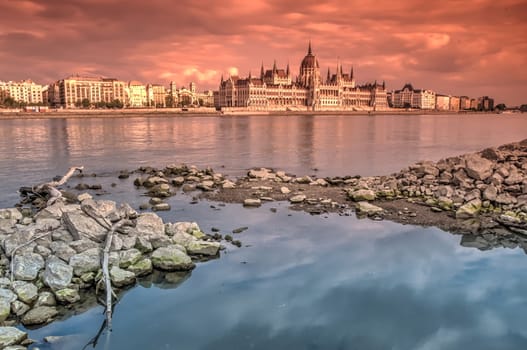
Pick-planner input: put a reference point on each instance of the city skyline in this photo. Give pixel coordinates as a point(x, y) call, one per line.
point(472, 48)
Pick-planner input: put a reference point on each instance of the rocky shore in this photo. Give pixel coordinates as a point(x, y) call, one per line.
point(51, 260)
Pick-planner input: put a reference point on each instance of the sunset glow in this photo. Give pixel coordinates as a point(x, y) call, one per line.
point(469, 48)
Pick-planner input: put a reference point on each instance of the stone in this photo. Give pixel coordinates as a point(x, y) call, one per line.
point(505, 199)
point(83, 245)
point(161, 207)
point(88, 261)
point(129, 257)
point(203, 248)
point(46, 299)
point(251, 202)
point(368, 208)
point(42, 251)
point(26, 292)
point(490, 193)
point(81, 225)
point(477, 167)
point(84, 196)
point(142, 267)
point(150, 224)
point(57, 274)
point(143, 245)
point(11, 336)
point(12, 241)
point(62, 250)
point(362, 195)
point(27, 266)
point(67, 296)
point(39, 315)
point(171, 258)
point(299, 198)
point(262, 173)
point(227, 184)
point(19, 308)
point(158, 241)
point(469, 209)
point(183, 238)
point(7, 226)
point(321, 182)
point(120, 277)
point(7, 294)
point(5, 309)
point(515, 177)
point(128, 241)
point(11, 213)
point(285, 190)
point(61, 235)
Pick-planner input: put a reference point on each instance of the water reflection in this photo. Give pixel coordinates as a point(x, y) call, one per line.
point(315, 283)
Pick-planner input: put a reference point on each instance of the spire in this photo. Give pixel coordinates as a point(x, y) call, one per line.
point(351, 73)
point(341, 69)
point(250, 76)
point(274, 66)
point(262, 72)
point(287, 69)
point(383, 85)
point(328, 77)
point(309, 48)
point(222, 78)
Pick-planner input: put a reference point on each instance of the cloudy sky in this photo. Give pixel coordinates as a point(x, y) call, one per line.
point(472, 47)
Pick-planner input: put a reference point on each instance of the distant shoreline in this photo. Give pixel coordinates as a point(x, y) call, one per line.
point(122, 113)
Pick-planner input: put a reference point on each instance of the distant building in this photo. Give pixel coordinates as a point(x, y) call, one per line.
point(485, 103)
point(408, 97)
point(464, 103)
point(25, 91)
point(156, 95)
point(136, 95)
point(454, 103)
point(442, 102)
point(473, 104)
point(275, 89)
point(80, 91)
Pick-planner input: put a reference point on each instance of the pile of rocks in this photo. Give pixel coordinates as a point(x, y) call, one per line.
point(493, 181)
point(47, 259)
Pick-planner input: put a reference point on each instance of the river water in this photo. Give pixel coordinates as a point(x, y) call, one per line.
point(300, 281)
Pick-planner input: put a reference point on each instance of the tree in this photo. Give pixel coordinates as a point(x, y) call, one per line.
point(85, 103)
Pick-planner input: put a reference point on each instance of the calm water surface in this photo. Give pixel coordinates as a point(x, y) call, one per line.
point(302, 282)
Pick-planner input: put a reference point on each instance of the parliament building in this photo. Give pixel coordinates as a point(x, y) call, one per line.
point(275, 89)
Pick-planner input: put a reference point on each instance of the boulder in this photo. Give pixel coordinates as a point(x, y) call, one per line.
point(469, 209)
point(477, 167)
point(171, 258)
point(299, 198)
point(81, 225)
point(57, 274)
point(46, 299)
point(5, 309)
point(143, 245)
point(39, 315)
point(203, 248)
point(227, 184)
point(27, 266)
point(362, 195)
point(120, 277)
point(129, 257)
point(67, 296)
point(515, 177)
point(252, 202)
point(150, 224)
point(7, 226)
point(83, 244)
point(19, 308)
point(62, 250)
point(367, 208)
point(26, 292)
point(142, 267)
point(285, 190)
point(7, 294)
point(490, 193)
point(183, 238)
point(88, 261)
point(11, 336)
point(10, 213)
point(14, 240)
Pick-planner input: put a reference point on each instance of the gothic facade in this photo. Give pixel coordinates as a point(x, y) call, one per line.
point(275, 89)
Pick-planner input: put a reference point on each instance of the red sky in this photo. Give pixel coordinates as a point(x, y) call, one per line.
point(473, 47)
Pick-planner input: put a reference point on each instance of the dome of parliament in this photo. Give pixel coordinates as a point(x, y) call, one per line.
point(309, 61)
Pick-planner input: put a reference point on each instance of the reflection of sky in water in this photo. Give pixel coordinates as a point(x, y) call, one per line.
point(311, 282)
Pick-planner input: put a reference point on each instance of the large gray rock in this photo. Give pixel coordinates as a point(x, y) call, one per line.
point(14, 240)
point(150, 224)
point(39, 315)
point(67, 296)
point(362, 195)
point(171, 258)
point(490, 193)
point(203, 248)
point(27, 266)
point(142, 267)
point(367, 208)
point(11, 336)
point(88, 261)
point(252, 202)
point(81, 225)
point(129, 257)
point(5, 309)
point(62, 250)
point(299, 198)
point(469, 209)
point(143, 245)
point(183, 238)
point(46, 299)
point(10, 213)
point(120, 277)
point(515, 177)
point(7, 226)
point(183, 226)
point(83, 245)
point(26, 292)
point(7, 294)
point(57, 274)
point(477, 167)
point(19, 308)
